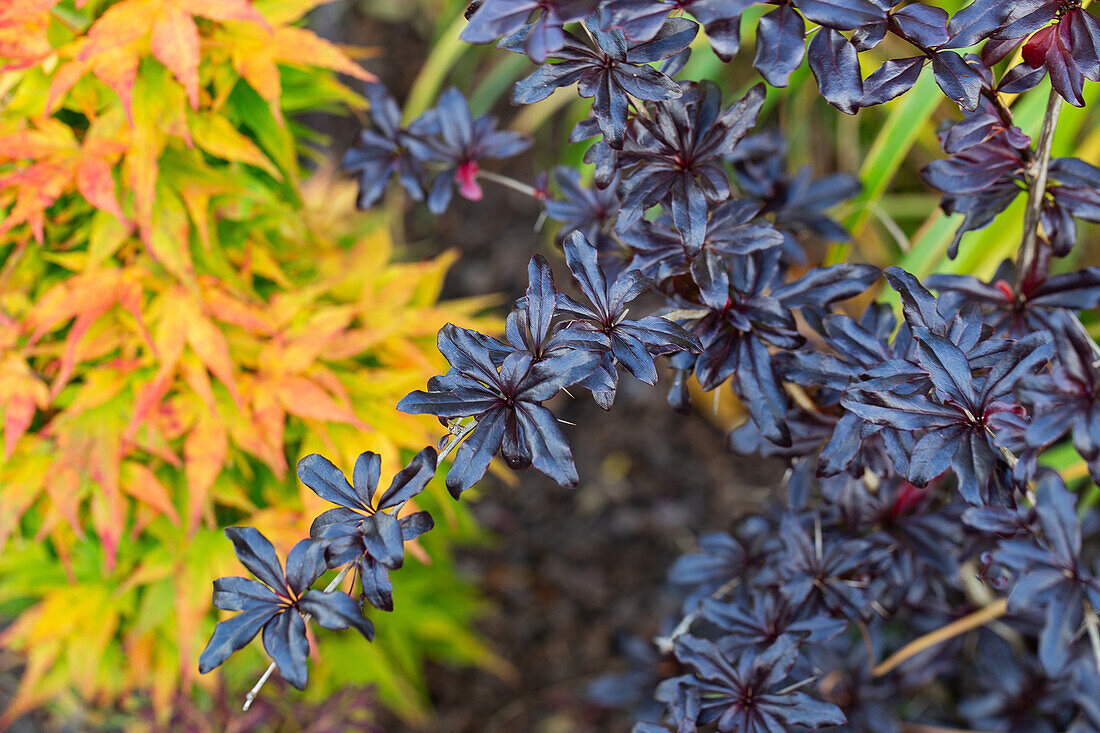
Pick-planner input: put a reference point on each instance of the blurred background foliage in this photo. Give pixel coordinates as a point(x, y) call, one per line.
point(184, 314)
point(188, 305)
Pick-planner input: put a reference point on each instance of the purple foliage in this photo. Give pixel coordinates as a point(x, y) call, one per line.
point(915, 493)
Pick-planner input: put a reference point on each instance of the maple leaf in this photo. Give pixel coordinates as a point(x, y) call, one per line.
point(173, 34)
point(84, 299)
point(21, 394)
point(96, 411)
point(209, 344)
point(23, 39)
point(50, 162)
point(14, 12)
point(204, 449)
point(256, 58)
point(116, 67)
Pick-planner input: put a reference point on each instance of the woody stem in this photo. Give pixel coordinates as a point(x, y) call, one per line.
point(1029, 247)
point(509, 182)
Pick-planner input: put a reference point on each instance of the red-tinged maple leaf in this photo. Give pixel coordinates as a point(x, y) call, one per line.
point(37, 187)
point(198, 379)
point(204, 453)
point(84, 299)
point(149, 397)
point(139, 481)
point(268, 424)
point(94, 178)
point(98, 456)
point(297, 352)
point(116, 67)
point(63, 489)
point(175, 43)
point(21, 394)
point(13, 12)
point(304, 398)
point(158, 113)
point(256, 58)
point(219, 303)
point(173, 34)
point(49, 161)
point(293, 45)
point(169, 340)
point(23, 32)
point(209, 344)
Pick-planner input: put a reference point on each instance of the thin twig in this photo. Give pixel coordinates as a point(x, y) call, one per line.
point(664, 644)
point(1037, 190)
point(509, 182)
point(798, 394)
point(251, 696)
point(797, 685)
point(1075, 321)
point(967, 623)
point(1092, 625)
point(867, 644)
point(685, 314)
point(456, 437)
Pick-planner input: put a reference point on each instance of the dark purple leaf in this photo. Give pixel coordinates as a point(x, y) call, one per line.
point(236, 594)
point(892, 79)
point(364, 478)
point(904, 412)
point(957, 80)
point(410, 480)
point(550, 451)
point(474, 454)
point(383, 540)
point(327, 481)
point(947, 367)
point(918, 305)
point(780, 45)
point(926, 25)
point(258, 555)
point(233, 634)
point(976, 21)
point(758, 385)
point(304, 565)
point(825, 285)
point(336, 610)
point(835, 64)
point(286, 643)
point(933, 454)
point(415, 524)
point(844, 15)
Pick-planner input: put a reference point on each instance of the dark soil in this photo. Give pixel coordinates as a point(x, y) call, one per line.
point(573, 568)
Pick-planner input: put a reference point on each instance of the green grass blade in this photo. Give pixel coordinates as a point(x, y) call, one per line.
point(908, 115)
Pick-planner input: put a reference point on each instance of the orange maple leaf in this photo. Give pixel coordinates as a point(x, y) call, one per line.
point(174, 36)
point(21, 394)
point(256, 58)
point(116, 67)
point(23, 26)
point(85, 298)
point(204, 453)
point(49, 161)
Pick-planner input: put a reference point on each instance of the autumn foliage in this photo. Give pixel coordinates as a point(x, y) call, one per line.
point(181, 317)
